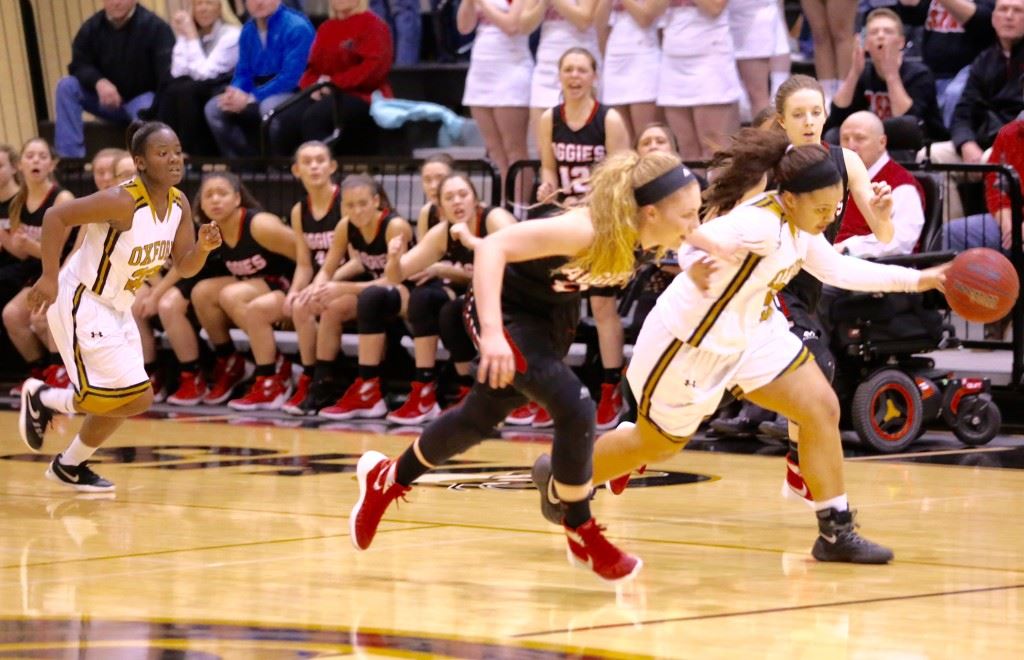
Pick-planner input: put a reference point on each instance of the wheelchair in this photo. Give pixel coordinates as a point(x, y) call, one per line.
point(889, 391)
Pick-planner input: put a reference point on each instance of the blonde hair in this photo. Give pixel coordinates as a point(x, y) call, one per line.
point(361, 6)
point(614, 212)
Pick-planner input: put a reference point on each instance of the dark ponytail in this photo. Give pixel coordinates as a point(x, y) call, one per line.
point(737, 168)
point(138, 133)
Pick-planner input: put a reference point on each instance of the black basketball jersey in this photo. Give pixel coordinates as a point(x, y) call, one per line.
point(458, 253)
point(248, 259)
point(319, 233)
point(373, 254)
point(539, 284)
point(6, 258)
point(433, 215)
point(576, 152)
point(32, 222)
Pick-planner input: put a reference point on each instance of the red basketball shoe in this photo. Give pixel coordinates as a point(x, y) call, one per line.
point(589, 548)
point(376, 493)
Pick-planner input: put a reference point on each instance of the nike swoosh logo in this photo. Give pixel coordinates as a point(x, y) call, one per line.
point(831, 539)
point(64, 473)
point(32, 409)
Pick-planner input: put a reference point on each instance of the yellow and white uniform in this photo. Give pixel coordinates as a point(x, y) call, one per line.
point(695, 345)
point(91, 320)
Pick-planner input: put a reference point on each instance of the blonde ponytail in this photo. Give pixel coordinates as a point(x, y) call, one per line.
point(614, 212)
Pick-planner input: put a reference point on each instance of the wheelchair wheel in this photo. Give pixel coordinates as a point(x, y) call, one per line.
point(887, 411)
point(978, 420)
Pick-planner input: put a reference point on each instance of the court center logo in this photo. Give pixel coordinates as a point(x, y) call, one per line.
point(457, 474)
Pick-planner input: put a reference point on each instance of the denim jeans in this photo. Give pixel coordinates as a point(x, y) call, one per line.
point(949, 91)
point(980, 230)
point(72, 99)
point(237, 133)
point(403, 17)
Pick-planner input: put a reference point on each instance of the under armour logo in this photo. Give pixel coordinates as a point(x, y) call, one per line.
point(94, 335)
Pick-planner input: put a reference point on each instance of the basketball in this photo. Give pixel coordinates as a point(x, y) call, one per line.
point(981, 285)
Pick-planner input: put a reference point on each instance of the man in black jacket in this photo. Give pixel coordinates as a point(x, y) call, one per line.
point(120, 59)
point(884, 83)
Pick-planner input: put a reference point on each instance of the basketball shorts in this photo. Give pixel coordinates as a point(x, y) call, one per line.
point(678, 385)
point(100, 347)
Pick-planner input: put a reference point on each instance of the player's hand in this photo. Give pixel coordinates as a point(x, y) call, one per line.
point(700, 272)
point(209, 237)
point(934, 277)
point(396, 247)
point(881, 199)
point(42, 294)
point(146, 305)
point(546, 192)
point(857, 62)
point(497, 362)
point(19, 240)
point(460, 232)
point(971, 152)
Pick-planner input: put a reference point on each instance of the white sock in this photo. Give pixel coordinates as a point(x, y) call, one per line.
point(838, 503)
point(76, 453)
point(61, 400)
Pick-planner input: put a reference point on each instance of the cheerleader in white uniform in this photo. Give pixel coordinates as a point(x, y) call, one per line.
point(632, 56)
point(755, 27)
point(500, 72)
point(699, 86)
point(563, 25)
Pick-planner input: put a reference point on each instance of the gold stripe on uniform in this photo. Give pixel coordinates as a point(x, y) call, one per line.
point(118, 392)
point(737, 282)
point(83, 380)
point(659, 370)
point(104, 268)
point(802, 358)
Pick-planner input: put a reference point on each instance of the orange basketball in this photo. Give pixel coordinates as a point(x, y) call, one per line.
point(982, 285)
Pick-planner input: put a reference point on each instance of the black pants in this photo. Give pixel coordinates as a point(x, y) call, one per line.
point(314, 120)
point(180, 106)
point(539, 343)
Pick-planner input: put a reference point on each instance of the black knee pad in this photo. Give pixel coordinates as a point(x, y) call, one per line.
point(464, 426)
point(377, 306)
point(453, 331)
point(425, 303)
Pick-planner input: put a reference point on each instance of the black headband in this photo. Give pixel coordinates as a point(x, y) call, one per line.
point(821, 174)
point(661, 187)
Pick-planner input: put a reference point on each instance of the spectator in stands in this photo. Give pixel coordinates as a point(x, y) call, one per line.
point(367, 226)
point(955, 32)
point(313, 221)
point(241, 13)
point(38, 190)
point(258, 251)
point(885, 82)
point(632, 57)
point(352, 51)
point(441, 267)
point(497, 89)
point(403, 17)
point(272, 51)
point(124, 167)
point(120, 60)
point(433, 171)
point(103, 167)
point(992, 229)
point(699, 86)
point(755, 25)
point(657, 136)
point(831, 23)
point(203, 60)
point(564, 24)
point(992, 97)
point(863, 133)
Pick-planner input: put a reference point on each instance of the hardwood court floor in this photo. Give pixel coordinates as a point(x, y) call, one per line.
point(231, 541)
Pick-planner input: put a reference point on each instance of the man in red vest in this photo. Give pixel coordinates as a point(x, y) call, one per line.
point(862, 132)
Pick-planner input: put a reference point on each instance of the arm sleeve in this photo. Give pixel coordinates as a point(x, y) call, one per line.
point(853, 274)
point(243, 69)
point(907, 219)
point(995, 197)
point(83, 64)
point(374, 50)
point(963, 129)
point(297, 39)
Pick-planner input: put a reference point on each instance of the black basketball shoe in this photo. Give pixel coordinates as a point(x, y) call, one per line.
point(34, 417)
point(838, 540)
point(80, 477)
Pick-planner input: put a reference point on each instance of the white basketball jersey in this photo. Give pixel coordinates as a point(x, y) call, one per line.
point(113, 264)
